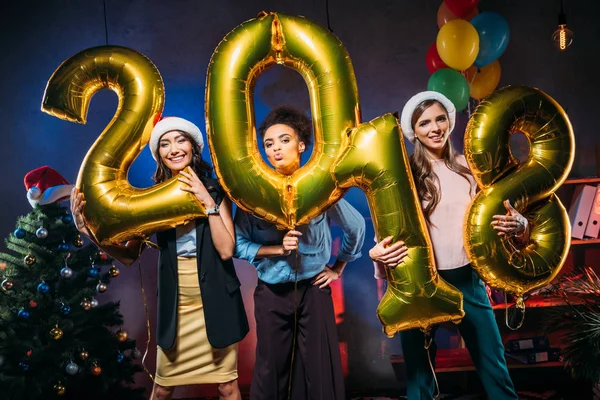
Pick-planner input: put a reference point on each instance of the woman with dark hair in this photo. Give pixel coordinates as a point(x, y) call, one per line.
point(295, 321)
point(446, 187)
point(201, 316)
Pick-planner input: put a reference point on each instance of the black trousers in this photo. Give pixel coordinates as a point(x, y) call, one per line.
point(317, 371)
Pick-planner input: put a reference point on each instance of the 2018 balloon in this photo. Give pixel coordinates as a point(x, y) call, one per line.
point(115, 211)
point(529, 185)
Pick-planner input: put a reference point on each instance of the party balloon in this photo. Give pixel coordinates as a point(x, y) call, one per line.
point(240, 58)
point(115, 211)
point(451, 84)
point(458, 44)
point(483, 81)
point(461, 8)
point(433, 60)
point(376, 161)
point(494, 34)
point(444, 15)
point(529, 185)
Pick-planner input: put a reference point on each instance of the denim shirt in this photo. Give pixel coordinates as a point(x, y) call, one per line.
point(314, 246)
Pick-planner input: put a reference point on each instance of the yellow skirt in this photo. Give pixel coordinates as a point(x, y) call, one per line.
point(192, 360)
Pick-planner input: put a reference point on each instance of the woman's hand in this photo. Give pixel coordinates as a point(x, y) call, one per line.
point(290, 242)
point(514, 224)
point(77, 204)
point(389, 256)
point(196, 187)
point(325, 277)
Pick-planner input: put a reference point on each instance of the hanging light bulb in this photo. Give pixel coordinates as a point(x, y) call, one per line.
point(562, 36)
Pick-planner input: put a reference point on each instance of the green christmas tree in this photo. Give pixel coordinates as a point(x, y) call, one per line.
point(56, 341)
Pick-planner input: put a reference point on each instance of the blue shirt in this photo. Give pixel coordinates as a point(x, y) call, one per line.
point(314, 246)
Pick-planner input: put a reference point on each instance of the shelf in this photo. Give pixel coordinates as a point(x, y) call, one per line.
point(576, 242)
point(577, 181)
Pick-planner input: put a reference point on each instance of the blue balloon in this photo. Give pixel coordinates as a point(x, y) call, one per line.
point(493, 37)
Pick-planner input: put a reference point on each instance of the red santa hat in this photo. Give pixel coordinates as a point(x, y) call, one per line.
point(44, 186)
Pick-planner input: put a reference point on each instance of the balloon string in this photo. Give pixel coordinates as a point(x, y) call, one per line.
point(427, 345)
point(327, 11)
point(148, 331)
point(105, 24)
point(296, 262)
point(520, 305)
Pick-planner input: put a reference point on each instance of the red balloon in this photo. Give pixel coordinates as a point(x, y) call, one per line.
point(460, 8)
point(433, 60)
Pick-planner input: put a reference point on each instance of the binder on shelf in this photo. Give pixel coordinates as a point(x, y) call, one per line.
point(593, 225)
point(530, 343)
point(579, 211)
point(536, 356)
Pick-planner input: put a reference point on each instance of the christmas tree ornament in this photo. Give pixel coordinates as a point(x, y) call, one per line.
point(83, 354)
point(101, 287)
point(94, 303)
point(23, 313)
point(65, 309)
point(114, 271)
point(67, 219)
point(102, 255)
point(66, 272)
point(136, 353)
point(41, 233)
point(32, 304)
point(121, 335)
point(8, 284)
point(86, 305)
point(24, 366)
point(19, 233)
point(43, 288)
point(2, 360)
point(96, 370)
point(29, 353)
point(59, 389)
point(120, 357)
point(93, 272)
point(72, 368)
point(78, 242)
point(56, 333)
point(63, 247)
point(29, 259)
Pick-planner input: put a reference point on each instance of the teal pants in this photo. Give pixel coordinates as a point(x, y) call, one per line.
point(480, 333)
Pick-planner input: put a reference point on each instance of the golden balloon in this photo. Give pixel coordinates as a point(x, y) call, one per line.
point(115, 211)
point(375, 160)
point(529, 185)
point(241, 57)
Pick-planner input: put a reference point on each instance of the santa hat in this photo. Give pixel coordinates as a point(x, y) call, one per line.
point(415, 101)
point(168, 124)
point(44, 186)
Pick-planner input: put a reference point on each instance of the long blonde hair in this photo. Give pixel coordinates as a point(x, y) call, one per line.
point(426, 179)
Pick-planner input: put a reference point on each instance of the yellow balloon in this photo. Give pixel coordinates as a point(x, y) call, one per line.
point(530, 186)
point(115, 211)
point(458, 44)
point(482, 82)
point(375, 160)
point(243, 55)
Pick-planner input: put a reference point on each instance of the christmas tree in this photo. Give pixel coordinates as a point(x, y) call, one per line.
point(56, 340)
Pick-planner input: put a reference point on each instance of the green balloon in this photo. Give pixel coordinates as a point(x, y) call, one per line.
point(452, 84)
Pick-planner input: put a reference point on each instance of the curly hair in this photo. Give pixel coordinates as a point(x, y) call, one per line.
point(291, 117)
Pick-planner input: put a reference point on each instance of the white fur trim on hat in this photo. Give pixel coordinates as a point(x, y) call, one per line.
point(169, 124)
point(413, 103)
point(51, 195)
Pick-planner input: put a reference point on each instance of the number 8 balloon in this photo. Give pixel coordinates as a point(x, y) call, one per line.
point(115, 211)
point(530, 186)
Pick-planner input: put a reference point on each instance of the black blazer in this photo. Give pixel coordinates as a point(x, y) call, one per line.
point(224, 313)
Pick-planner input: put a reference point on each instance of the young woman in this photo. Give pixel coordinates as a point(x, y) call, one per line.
point(446, 187)
point(294, 301)
point(201, 316)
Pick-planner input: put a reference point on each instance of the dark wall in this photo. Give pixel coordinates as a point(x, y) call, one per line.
point(387, 42)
